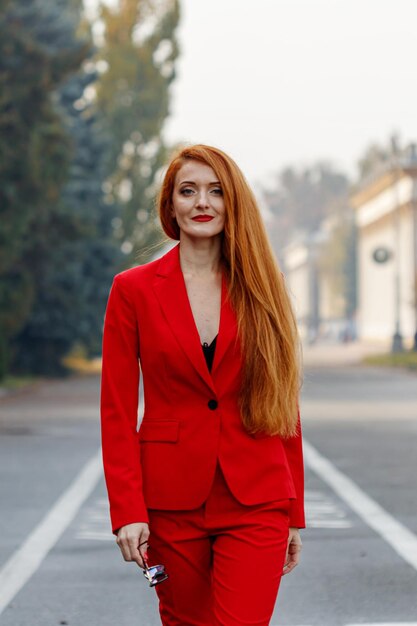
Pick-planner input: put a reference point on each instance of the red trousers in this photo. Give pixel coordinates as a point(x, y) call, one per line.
point(224, 560)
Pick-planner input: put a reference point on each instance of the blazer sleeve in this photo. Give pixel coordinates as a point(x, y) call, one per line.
point(119, 409)
point(294, 451)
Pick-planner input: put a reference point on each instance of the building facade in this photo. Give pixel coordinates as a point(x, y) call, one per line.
point(385, 212)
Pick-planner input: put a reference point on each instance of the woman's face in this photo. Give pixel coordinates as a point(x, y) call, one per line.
point(197, 200)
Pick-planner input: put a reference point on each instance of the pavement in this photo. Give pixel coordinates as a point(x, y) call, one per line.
point(59, 563)
point(329, 354)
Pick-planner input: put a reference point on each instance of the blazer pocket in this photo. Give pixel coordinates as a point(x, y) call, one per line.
point(159, 430)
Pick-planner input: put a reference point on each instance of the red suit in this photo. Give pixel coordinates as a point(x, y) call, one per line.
point(191, 419)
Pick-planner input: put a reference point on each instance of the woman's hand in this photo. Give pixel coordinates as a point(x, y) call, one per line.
point(132, 540)
point(292, 556)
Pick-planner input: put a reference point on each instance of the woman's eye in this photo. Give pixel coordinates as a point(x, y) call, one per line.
point(187, 191)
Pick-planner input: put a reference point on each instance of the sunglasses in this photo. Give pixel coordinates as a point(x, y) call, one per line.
point(154, 574)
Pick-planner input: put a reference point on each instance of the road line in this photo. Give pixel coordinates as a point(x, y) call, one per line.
point(396, 534)
point(25, 560)
point(323, 511)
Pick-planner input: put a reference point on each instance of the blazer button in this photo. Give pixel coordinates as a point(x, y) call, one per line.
point(212, 404)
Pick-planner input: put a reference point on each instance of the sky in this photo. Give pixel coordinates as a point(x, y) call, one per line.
point(288, 82)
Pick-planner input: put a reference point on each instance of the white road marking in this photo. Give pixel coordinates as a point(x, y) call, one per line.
point(95, 524)
point(24, 562)
point(400, 538)
point(323, 512)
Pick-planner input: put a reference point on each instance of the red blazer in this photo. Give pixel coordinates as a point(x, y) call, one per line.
point(191, 416)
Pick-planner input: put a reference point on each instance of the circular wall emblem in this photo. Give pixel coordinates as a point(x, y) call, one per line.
point(381, 255)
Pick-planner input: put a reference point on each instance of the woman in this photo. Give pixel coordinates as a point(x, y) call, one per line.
point(214, 477)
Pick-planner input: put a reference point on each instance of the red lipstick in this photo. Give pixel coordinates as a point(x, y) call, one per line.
point(202, 218)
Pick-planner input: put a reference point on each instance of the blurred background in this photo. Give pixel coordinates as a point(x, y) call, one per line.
point(315, 101)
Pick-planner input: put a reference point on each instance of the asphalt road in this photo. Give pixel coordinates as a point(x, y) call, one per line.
point(361, 421)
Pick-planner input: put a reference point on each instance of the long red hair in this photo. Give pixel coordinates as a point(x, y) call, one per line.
point(271, 376)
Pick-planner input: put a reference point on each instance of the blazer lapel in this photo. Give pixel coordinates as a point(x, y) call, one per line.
point(170, 289)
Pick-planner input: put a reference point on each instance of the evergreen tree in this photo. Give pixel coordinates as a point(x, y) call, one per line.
point(38, 50)
point(67, 161)
point(74, 255)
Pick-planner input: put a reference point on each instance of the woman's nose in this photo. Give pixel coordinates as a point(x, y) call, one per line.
point(202, 199)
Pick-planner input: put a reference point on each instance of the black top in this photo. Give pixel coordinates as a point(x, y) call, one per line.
point(209, 352)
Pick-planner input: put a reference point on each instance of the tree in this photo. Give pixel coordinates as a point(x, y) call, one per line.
point(66, 161)
point(338, 261)
point(139, 54)
point(74, 255)
point(303, 201)
point(38, 51)
point(302, 198)
point(378, 156)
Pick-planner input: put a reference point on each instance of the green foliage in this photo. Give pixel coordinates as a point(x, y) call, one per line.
point(56, 231)
point(38, 51)
point(139, 53)
point(337, 259)
point(34, 150)
point(66, 162)
point(3, 357)
point(406, 359)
